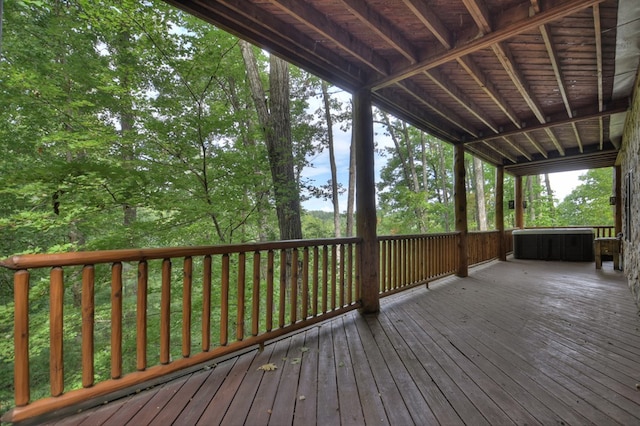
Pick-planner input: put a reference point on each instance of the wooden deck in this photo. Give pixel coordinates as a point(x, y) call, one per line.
point(525, 342)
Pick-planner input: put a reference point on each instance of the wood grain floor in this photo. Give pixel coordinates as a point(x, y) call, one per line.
point(517, 342)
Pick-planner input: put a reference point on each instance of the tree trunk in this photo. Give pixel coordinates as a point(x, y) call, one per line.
point(552, 207)
point(332, 160)
point(351, 192)
point(480, 202)
point(443, 183)
point(531, 196)
point(276, 124)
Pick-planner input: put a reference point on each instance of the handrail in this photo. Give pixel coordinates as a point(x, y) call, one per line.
point(246, 294)
point(599, 231)
point(227, 298)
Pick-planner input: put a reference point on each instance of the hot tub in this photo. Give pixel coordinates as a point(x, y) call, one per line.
point(571, 244)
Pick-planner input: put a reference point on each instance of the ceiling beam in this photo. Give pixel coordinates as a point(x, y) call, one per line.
point(502, 152)
point(465, 101)
point(550, 124)
point(430, 20)
point(382, 27)
point(500, 34)
point(253, 25)
point(311, 17)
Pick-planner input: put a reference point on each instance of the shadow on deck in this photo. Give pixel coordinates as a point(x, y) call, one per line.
point(526, 342)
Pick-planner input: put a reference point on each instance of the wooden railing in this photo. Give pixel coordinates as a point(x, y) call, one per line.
point(483, 246)
point(153, 312)
point(159, 320)
point(599, 231)
point(410, 260)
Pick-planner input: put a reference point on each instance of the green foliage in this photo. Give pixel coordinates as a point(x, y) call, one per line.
point(588, 203)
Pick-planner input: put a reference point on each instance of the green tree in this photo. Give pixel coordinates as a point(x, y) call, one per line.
point(588, 203)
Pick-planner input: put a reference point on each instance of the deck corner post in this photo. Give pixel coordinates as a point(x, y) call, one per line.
point(460, 196)
point(519, 204)
point(502, 252)
point(617, 192)
point(366, 220)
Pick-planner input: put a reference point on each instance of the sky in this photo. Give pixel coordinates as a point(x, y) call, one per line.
point(561, 183)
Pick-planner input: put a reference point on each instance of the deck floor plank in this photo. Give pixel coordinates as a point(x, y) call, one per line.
point(196, 407)
point(305, 411)
point(517, 342)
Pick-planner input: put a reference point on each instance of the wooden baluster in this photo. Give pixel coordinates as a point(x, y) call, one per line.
point(397, 260)
point(316, 273)
point(270, 272)
point(224, 302)
point(88, 312)
point(293, 311)
point(165, 313)
point(141, 316)
point(305, 283)
point(325, 277)
point(283, 287)
point(349, 274)
point(56, 303)
point(334, 273)
point(255, 303)
point(187, 286)
point(341, 259)
point(383, 266)
point(357, 269)
point(116, 320)
point(242, 264)
point(206, 304)
point(21, 337)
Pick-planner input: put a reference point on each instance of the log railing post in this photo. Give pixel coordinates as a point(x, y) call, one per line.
point(460, 196)
point(519, 203)
point(502, 250)
point(21, 337)
point(365, 201)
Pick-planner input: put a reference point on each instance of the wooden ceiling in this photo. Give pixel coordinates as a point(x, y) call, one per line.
point(528, 84)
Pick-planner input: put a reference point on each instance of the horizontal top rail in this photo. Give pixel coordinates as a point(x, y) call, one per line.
point(129, 255)
point(408, 237)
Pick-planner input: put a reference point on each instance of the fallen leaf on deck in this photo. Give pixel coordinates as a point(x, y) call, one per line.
point(268, 367)
point(295, 361)
point(302, 397)
point(304, 349)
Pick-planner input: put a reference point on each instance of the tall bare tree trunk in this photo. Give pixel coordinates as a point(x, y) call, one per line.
point(478, 172)
point(552, 207)
point(351, 191)
point(275, 120)
point(531, 197)
point(443, 183)
point(332, 160)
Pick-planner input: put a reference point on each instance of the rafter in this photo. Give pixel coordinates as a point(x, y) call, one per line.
point(480, 14)
point(502, 152)
point(496, 36)
point(381, 26)
point(536, 145)
point(430, 20)
point(598, 34)
point(551, 124)
point(488, 87)
point(422, 97)
point(310, 17)
point(465, 102)
point(515, 146)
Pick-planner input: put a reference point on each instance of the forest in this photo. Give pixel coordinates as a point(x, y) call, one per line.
point(131, 124)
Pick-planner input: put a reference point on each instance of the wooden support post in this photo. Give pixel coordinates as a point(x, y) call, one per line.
point(502, 250)
point(519, 203)
point(618, 194)
point(460, 196)
point(368, 256)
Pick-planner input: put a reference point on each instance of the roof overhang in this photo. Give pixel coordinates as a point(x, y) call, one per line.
point(533, 85)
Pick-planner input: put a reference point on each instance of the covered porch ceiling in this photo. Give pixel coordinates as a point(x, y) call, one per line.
point(534, 85)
